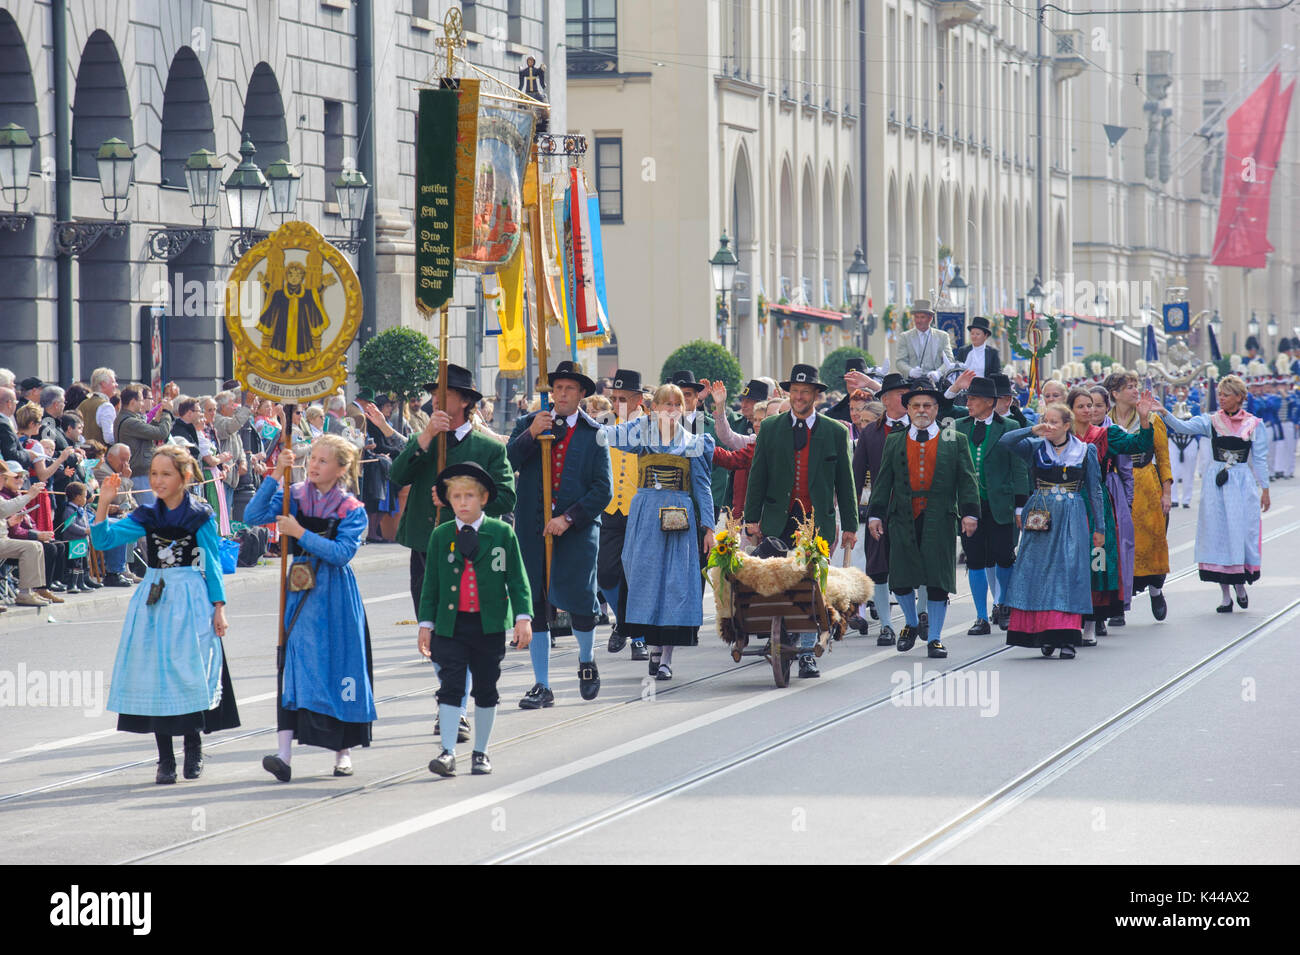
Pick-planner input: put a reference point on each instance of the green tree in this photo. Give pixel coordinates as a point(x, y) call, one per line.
point(832, 370)
point(1099, 356)
point(708, 360)
point(398, 362)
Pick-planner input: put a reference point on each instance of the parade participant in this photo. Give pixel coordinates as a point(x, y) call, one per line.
point(326, 687)
point(1003, 481)
point(468, 602)
point(1052, 392)
point(1279, 425)
point(843, 411)
point(170, 677)
point(866, 463)
point(1007, 405)
point(1118, 475)
point(1050, 589)
point(1152, 485)
point(672, 508)
point(698, 422)
point(735, 451)
point(1110, 579)
point(923, 350)
point(1290, 427)
point(1184, 448)
point(802, 468)
point(977, 356)
point(581, 489)
point(1234, 493)
point(756, 392)
point(924, 484)
point(625, 396)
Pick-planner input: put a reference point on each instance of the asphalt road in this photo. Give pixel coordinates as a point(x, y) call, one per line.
point(1169, 742)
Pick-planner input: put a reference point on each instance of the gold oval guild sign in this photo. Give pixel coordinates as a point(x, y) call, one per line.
point(293, 306)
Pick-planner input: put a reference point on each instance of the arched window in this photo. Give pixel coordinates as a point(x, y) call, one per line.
point(101, 108)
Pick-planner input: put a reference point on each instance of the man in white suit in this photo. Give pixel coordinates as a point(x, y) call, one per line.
point(923, 350)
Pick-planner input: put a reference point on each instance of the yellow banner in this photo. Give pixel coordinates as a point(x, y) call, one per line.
point(511, 345)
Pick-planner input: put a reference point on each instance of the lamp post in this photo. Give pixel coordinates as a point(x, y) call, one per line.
point(203, 183)
point(353, 191)
point(245, 200)
point(15, 171)
point(1035, 297)
point(283, 179)
point(857, 276)
point(115, 161)
point(723, 268)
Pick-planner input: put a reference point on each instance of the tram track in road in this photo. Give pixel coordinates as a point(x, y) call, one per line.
point(1053, 767)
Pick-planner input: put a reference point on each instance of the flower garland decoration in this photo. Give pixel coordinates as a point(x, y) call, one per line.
point(812, 551)
point(763, 313)
point(726, 556)
point(887, 320)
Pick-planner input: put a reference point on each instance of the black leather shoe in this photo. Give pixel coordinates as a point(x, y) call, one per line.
point(871, 609)
point(980, 628)
point(858, 624)
point(1225, 608)
point(617, 641)
point(588, 680)
point(536, 698)
point(1047, 650)
point(1243, 601)
point(639, 652)
point(277, 768)
point(1159, 607)
point(886, 637)
point(462, 731)
point(115, 580)
point(923, 627)
point(444, 764)
point(1116, 621)
point(480, 765)
point(935, 650)
point(92, 584)
point(653, 664)
point(808, 668)
point(1067, 652)
point(193, 768)
point(166, 772)
point(907, 638)
point(1101, 629)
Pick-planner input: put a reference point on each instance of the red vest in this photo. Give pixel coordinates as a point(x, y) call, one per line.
point(468, 590)
point(921, 457)
point(558, 450)
point(799, 490)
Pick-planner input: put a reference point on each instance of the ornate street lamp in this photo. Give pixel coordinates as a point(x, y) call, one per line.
point(353, 191)
point(957, 290)
point(115, 161)
point(284, 179)
point(1252, 326)
point(1272, 325)
point(246, 191)
point(15, 171)
point(1035, 297)
point(203, 183)
point(723, 267)
point(857, 276)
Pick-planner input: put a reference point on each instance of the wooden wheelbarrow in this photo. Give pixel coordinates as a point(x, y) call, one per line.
point(778, 617)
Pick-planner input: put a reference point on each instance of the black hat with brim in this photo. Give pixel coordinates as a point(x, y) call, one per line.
point(573, 372)
point(855, 364)
point(1002, 385)
point(27, 384)
point(804, 375)
point(686, 379)
point(625, 379)
point(893, 382)
point(982, 388)
point(755, 390)
point(918, 392)
point(465, 469)
point(460, 379)
point(982, 323)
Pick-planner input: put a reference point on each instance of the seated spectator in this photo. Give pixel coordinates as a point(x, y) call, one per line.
point(21, 527)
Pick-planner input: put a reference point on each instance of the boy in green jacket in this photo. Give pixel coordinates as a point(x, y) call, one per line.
point(473, 578)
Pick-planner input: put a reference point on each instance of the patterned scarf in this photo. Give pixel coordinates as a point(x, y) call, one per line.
point(313, 503)
point(1240, 425)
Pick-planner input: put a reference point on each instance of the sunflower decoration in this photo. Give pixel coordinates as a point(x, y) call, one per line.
point(812, 551)
point(726, 548)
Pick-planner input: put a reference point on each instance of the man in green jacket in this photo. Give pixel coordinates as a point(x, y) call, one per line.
point(417, 466)
point(802, 466)
point(926, 482)
point(1003, 480)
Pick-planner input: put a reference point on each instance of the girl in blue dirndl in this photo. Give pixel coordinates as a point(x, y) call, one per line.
point(326, 682)
point(665, 588)
point(170, 676)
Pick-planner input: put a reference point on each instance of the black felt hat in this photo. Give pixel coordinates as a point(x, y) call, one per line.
point(804, 375)
point(465, 469)
point(934, 393)
point(625, 379)
point(686, 379)
point(1002, 385)
point(982, 388)
point(893, 382)
point(755, 390)
point(980, 322)
point(855, 364)
point(461, 379)
point(572, 371)
point(27, 384)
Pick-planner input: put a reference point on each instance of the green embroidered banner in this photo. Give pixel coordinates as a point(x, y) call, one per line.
point(435, 194)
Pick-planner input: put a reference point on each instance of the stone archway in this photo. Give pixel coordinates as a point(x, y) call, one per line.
point(101, 107)
point(19, 293)
point(264, 120)
point(186, 116)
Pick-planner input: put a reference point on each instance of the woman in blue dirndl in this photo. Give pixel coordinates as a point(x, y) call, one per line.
point(170, 676)
point(1234, 491)
point(665, 588)
point(326, 682)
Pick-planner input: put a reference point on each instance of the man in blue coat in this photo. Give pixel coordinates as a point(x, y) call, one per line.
point(581, 489)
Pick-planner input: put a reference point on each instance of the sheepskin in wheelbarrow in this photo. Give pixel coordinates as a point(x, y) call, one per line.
point(846, 587)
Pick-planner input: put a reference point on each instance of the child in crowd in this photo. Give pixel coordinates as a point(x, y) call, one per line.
point(72, 524)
